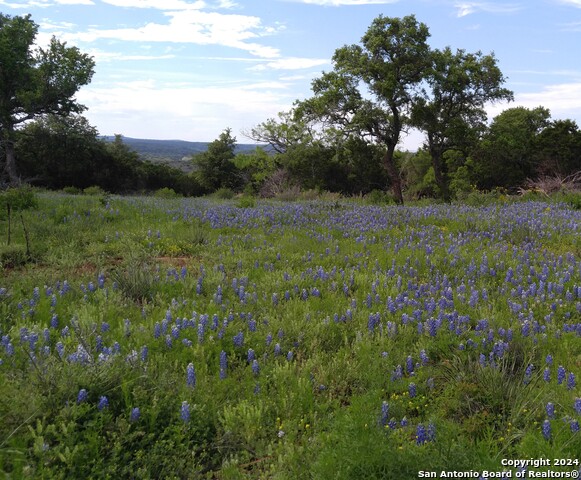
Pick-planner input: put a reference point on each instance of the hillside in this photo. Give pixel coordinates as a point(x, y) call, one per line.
point(176, 153)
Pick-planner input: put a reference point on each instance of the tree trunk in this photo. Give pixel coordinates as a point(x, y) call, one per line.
point(441, 173)
point(393, 174)
point(8, 142)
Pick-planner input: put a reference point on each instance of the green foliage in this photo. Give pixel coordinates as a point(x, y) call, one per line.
point(223, 194)
point(166, 192)
point(41, 81)
point(506, 155)
point(215, 168)
point(378, 197)
point(93, 190)
point(149, 271)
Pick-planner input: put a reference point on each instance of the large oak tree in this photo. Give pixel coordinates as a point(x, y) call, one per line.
point(35, 81)
point(390, 64)
point(451, 111)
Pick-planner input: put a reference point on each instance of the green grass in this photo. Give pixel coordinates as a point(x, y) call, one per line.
point(344, 305)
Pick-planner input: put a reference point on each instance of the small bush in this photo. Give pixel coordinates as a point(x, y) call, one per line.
point(94, 190)
point(246, 202)
point(377, 197)
point(290, 194)
point(13, 257)
point(136, 280)
point(166, 192)
point(223, 194)
point(72, 190)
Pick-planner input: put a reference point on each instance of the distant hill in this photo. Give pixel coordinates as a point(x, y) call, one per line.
point(176, 153)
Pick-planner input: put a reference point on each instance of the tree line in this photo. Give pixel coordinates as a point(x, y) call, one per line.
point(343, 138)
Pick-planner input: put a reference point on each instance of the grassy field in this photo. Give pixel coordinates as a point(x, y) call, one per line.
point(190, 338)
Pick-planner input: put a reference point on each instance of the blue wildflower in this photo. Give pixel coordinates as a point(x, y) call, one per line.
point(185, 411)
point(384, 414)
point(550, 408)
point(255, 367)
point(223, 364)
point(135, 414)
point(412, 390)
point(546, 429)
point(571, 381)
point(547, 375)
point(560, 374)
point(238, 339)
point(577, 405)
point(103, 403)
point(421, 435)
point(190, 375)
point(82, 396)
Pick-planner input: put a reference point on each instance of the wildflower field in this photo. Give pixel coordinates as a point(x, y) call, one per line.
point(190, 338)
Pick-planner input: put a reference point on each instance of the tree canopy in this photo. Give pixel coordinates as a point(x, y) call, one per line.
point(35, 81)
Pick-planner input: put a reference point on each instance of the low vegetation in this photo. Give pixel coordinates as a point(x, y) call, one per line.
point(168, 337)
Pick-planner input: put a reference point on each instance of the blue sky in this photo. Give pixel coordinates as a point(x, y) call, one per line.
point(187, 69)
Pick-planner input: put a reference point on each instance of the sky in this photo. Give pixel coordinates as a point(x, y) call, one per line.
point(188, 69)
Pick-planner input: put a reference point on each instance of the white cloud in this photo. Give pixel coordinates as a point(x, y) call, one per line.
point(101, 56)
point(44, 3)
point(158, 4)
point(337, 3)
point(467, 8)
point(149, 109)
point(574, 3)
point(291, 63)
point(191, 26)
point(226, 4)
point(563, 100)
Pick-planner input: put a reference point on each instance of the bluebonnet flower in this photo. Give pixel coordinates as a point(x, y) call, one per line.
point(546, 429)
point(144, 353)
point(268, 339)
point(547, 375)
point(409, 365)
point(135, 414)
point(156, 330)
point(412, 390)
point(175, 332)
point(421, 435)
point(185, 411)
point(482, 360)
point(223, 364)
point(289, 355)
point(571, 381)
point(191, 375)
point(574, 426)
point(277, 349)
point(238, 339)
point(404, 422)
point(550, 408)
point(103, 403)
point(397, 373)
point(82, 396)
point(54, 321)
point(560, 374)
point(384, 414)
point(255, 367)
point(528, 373)
point(60, 348)
point(431, 432)
point(250, 355)
point(577, 405)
